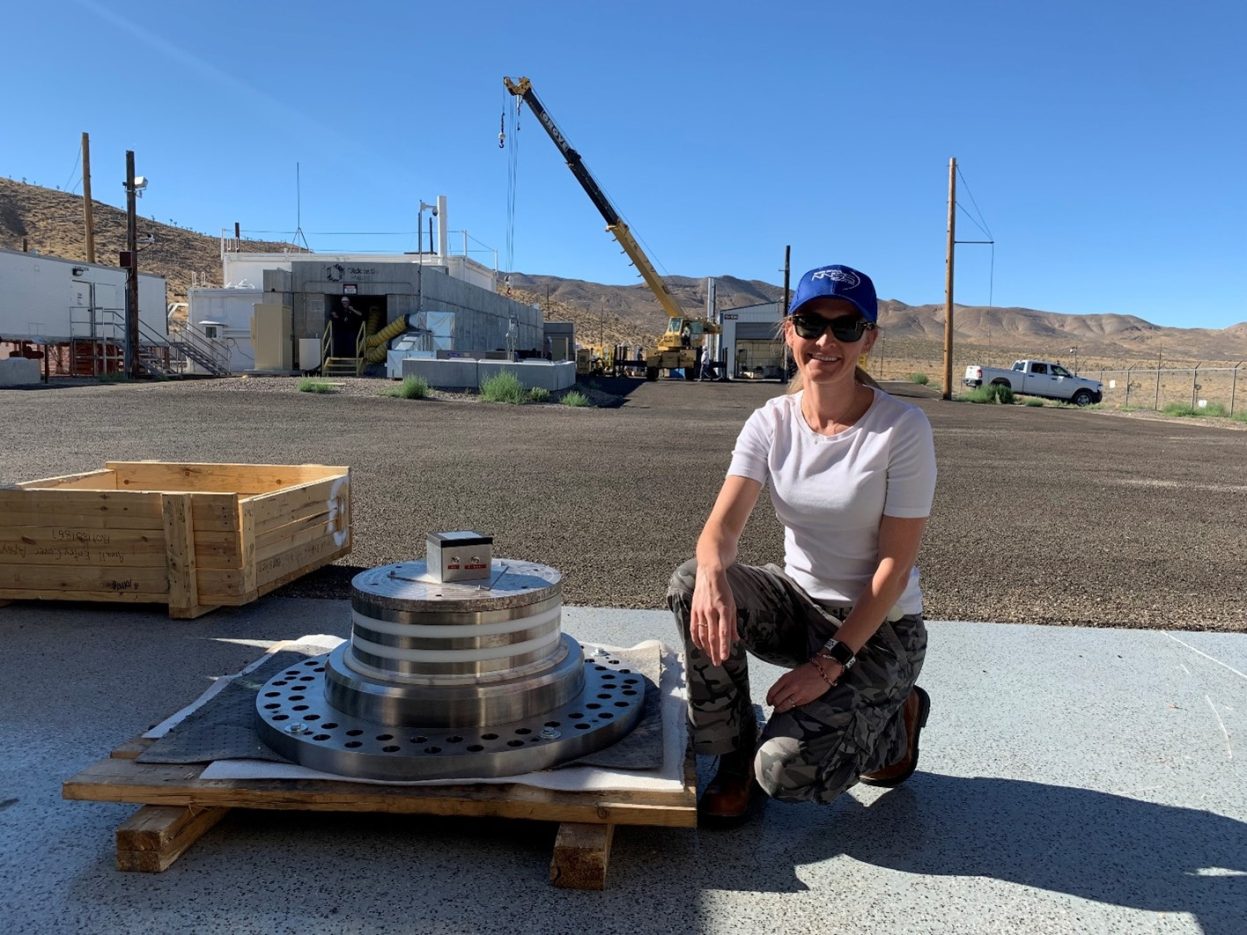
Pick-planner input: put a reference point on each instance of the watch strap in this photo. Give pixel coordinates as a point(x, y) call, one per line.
point(834, 649)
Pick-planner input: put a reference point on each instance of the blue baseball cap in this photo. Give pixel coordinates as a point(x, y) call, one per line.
point(837, 282)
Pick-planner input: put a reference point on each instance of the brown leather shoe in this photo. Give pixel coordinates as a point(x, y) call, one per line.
point(730, 796)
point(917, 707)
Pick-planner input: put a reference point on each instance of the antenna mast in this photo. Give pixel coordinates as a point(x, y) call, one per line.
point(298, 209)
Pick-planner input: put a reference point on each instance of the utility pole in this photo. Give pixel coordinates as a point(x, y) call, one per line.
point(87, 216)
point(948, 279)
point(132, 273)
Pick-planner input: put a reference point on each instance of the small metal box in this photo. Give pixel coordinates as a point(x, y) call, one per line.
point(459, 556)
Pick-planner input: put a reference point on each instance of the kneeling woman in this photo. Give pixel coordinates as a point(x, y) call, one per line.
point(851, 472)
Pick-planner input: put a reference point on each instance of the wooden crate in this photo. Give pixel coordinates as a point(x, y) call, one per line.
point(180, 807)
point(193, 536)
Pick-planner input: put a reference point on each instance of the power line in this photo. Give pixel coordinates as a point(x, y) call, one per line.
point(961, 175)
point(986, 232)
point(72, 173)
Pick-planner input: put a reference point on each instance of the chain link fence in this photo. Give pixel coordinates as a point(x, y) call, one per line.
point(1215, 389)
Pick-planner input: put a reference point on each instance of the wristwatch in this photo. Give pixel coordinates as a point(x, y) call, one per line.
point(834, 649)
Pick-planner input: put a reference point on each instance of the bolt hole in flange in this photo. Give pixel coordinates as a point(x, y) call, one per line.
point(367, 696)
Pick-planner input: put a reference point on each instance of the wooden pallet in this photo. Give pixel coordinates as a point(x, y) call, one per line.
point(179, 807)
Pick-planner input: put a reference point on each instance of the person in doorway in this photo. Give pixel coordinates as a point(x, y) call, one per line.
point(851, 471)
point(346, 324)
point(686, 336)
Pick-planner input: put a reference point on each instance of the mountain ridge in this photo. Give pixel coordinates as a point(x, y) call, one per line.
point(51, 222)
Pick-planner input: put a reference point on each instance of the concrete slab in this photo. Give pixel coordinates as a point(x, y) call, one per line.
point(1073, 780)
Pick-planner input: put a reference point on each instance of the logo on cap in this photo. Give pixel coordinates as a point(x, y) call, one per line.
point(845, 276)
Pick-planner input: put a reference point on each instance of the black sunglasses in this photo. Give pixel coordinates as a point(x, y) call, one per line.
point(846, 329)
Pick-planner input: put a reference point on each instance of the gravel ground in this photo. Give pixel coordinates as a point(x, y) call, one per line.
point(1042, 515)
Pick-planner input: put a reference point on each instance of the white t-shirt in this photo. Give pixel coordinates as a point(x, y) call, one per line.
point(831, 491)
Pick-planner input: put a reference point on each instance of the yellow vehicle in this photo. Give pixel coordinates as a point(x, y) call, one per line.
point(678, 347)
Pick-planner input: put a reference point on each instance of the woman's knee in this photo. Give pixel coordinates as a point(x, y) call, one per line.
point(783, 770)
point(680, 587)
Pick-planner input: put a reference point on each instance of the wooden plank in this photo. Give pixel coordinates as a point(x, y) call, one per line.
point(123, 780)
point(107, 583)
point(180, 536)
point(235, 478)
point(246, 545)
point(192, 612)
point(214, 512)
point(43, 594)
point(155, 836)
point(223, 587)
point(582, 853)
point(294, 536)
point(299, 572)
point(60, 503)
point(300, 559)
point(47, 545)
point(218, 551)
point(36, 517)
point(277, 508)
point(103, 479)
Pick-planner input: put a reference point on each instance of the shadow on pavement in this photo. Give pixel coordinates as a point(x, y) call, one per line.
point(1093, 845)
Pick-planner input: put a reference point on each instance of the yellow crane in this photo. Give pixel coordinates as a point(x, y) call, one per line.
point(678, 347)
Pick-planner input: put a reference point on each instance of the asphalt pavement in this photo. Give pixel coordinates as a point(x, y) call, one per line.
point(1042, 515)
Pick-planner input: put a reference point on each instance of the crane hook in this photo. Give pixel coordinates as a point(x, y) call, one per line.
point(502, 130)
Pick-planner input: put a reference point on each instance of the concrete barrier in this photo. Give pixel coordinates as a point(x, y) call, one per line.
point(18, 371)
point(443, 374)
point(554, 376)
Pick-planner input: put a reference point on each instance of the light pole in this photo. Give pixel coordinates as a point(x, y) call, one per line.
point(1074, 350)
point(424, 205)
point(134, 185)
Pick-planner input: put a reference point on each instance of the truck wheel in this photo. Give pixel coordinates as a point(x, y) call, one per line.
point(651, 373)
point(1081, 398)
point(1002, 382)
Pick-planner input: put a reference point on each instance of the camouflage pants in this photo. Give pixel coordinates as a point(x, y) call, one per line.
point(818, 750)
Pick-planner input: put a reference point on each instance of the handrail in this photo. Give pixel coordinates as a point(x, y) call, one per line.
point(361, 343)
point(326, 344)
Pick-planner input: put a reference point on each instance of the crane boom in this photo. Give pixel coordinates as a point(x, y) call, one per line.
point(523, 89)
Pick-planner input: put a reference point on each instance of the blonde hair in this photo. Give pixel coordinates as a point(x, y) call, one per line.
point(797, 383)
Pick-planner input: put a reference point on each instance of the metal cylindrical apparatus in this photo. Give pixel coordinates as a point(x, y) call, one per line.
point(450, 680)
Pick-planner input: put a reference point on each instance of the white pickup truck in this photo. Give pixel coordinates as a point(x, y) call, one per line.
point(1038, 378)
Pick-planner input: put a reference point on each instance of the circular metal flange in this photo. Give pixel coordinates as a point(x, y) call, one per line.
point(373, 695)
point(295, 719)
point(406, 587)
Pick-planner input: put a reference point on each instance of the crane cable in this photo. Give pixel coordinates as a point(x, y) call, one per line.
point(511, 142)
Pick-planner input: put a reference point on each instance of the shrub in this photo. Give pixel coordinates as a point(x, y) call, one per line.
point(574, 398)
point(1034, 403)
point(920, 378)
point(995, 393)
point(315, 386)
point(503, 387)
point(1182, 410)
point(410, 388)
point(539, 394)
point(1240, 416)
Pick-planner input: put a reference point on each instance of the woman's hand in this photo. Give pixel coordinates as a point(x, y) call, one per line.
point(801, 685)
point(712, 617)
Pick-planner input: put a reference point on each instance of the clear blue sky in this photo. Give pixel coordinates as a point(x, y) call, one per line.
point(1104, 141)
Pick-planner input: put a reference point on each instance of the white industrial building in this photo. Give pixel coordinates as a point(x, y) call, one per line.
point(47, 299)
point(749, 342)
point(273, 311)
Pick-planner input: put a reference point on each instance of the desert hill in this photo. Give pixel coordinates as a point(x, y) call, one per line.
point(51, 222)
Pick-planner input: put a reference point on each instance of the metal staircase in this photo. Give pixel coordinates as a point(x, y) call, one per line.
point(341, 366)
point(98, 347)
